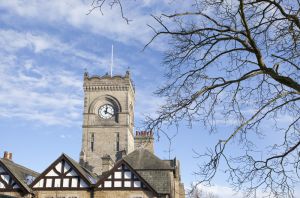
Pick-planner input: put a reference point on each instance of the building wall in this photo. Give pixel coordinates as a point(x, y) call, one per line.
point(15, 194)
point(98, 91)
point(63, 194)
point(123, 194)
point(96, 194)
point(177, 188)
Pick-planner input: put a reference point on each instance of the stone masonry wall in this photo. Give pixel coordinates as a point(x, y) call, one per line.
point(123, 194)
point(63, 194)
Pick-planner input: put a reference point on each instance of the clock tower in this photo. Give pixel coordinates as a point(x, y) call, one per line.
point(108, 120)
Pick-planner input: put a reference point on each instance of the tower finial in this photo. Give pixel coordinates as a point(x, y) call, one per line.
point(85, 73)
point(112, 59)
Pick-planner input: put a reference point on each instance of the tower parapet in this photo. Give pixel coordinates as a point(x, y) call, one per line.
point(108, 83)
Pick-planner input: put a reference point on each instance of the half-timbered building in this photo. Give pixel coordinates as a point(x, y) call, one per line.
point(64, 178)
point(141, 174)
point(14, 178)
point(114, 162)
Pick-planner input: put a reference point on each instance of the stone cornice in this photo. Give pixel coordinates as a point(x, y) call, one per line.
point(108, 83)
point(105, 126)
point(123, 112)
point(105, 88)
point(130, 128)
point(87, 77)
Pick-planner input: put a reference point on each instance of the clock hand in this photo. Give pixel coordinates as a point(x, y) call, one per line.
point(110, 113)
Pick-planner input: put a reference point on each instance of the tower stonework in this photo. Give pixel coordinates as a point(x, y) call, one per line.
point(108, 120)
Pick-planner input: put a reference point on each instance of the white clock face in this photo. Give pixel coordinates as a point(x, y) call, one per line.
point(106, 111)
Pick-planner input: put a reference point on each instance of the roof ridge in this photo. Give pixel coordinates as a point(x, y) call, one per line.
point(142, 159)
point(73, 161)
point(10, 166)
point(78, 167)
point(18, 165)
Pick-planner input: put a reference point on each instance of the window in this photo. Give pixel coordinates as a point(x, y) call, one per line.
point(92, 141)
point(117, 140)
point(29, 179)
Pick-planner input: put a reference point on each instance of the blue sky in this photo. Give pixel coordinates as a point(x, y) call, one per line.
point(45, 48)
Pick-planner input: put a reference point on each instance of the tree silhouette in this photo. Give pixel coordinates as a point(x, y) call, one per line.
point(236, 61)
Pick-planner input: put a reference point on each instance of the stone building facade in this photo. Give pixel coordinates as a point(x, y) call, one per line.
point(113, 161)
point(108, 120)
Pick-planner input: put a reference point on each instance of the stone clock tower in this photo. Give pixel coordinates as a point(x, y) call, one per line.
point(108, 121)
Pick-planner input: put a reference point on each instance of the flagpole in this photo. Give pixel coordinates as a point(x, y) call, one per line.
point(112, 59)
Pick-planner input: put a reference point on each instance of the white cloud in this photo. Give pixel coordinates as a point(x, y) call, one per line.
point(147, 103)
point(10, 42)
point(13, 41)
point(47, 93)
point(32, 92)
point(38, 85)
point(109, 24)
point(75, 12)
point(221, 191)
point(23, 95)
point(64, 136)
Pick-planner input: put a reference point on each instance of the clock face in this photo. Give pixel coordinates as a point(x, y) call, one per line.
point(106, 111)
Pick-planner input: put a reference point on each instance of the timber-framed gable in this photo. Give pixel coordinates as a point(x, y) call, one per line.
point(63, 174)
point(8, 182)
point(123, 177)
point(15, 178)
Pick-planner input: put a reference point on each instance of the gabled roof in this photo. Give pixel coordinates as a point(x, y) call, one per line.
point(91, 177)
point(154, 171)
point(159, 180)
point(123, 166)
point(86, 175)
point(19, 173)
point(142, 159)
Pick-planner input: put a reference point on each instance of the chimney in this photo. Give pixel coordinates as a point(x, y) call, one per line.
point(107, 163)
point(7, 155)
point(144, 139)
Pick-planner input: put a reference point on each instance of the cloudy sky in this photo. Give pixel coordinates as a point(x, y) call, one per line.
point(45, 48)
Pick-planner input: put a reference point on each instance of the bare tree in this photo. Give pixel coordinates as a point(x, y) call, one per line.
point(239, 61)
point(200, 193)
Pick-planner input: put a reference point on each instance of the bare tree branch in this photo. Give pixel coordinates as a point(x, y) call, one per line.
point(236, 61)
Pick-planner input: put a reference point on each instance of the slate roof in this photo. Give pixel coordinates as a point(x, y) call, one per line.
point(172, 163)
point(142, 159)
point(152, 169)
point(91, 177)
point(20, 173)
point(159, 180)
